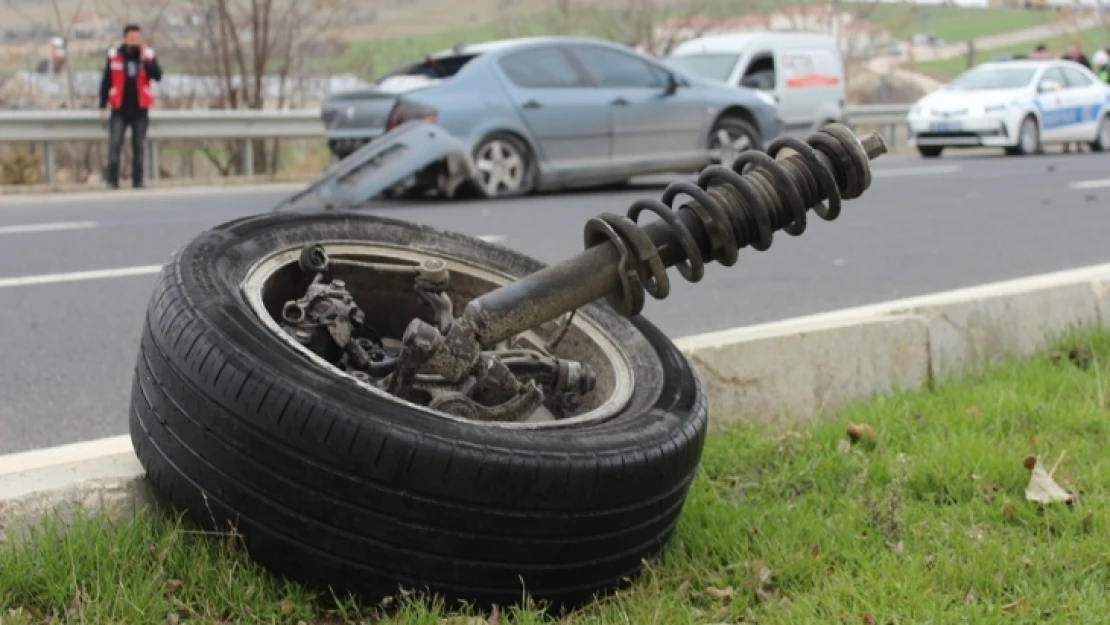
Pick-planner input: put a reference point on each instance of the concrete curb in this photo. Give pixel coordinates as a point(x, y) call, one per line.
point(779, 372)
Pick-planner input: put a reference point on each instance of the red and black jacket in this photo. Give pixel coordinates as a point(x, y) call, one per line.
point(114, 83)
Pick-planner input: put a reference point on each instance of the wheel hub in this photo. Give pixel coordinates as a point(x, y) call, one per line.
point(530, 381)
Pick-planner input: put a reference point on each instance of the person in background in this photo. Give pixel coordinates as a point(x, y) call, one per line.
point(1100, 60)
point(1075, 53)
point(125, 87)
point(1040, 52)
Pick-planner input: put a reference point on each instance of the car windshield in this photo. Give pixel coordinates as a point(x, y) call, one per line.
point(711, 66)
point(982, 78)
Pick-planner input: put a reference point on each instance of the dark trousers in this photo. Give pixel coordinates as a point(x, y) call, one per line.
point(117, 125)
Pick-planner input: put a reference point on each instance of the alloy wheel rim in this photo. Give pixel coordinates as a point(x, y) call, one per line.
point(501, 166)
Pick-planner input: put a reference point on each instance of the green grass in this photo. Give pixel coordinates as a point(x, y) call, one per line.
point(1090, 39)
point(952, 24)
point(927, 523)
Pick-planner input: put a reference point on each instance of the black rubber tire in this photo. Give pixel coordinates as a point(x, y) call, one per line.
point(930, 151)
point(333, 486)
point(1097, 145)
point(531, 172)
point(1019, 150)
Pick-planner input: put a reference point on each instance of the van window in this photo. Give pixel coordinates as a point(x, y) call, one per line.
point(710, 66)
point(810, 68)
point(760, 73)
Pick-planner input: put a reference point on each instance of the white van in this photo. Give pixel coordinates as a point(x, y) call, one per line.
point(803, 71)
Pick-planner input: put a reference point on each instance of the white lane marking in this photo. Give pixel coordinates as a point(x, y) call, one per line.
point(916, 171)
point(50, 227)
point(111, 198)
point(1090, 184)
point(79, 276)
point(492, 238)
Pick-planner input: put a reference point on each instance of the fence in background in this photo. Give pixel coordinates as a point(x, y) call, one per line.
point(47, 128)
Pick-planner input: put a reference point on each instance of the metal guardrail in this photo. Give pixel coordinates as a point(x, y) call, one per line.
point(49, 127)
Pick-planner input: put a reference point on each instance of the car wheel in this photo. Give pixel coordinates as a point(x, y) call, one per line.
point(730, 136)
point(333, 482)
point(1102, 139)
point(1029, 138)
point(506, 166)
point(929, 151)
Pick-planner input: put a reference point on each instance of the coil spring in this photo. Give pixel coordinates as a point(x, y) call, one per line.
point(743, 208)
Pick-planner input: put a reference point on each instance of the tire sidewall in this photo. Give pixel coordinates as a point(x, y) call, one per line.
point(1099, 144)
point(212, 266)
point(1036, 130)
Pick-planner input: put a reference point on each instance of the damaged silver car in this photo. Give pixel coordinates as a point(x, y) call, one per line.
point(548, 113)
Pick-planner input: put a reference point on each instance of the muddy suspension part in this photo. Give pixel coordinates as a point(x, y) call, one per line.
point(731, 209)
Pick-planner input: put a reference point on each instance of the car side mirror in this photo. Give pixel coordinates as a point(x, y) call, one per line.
point(750, 81)
point(1048, 86)
point(672, 84)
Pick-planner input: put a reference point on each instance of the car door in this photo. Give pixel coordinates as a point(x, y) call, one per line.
point(569, 118)
point(652, 126)
point(1083, 95)
point(1050, 103)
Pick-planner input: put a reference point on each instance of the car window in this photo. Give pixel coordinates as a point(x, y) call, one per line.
point(1054, 73)
point(1076, 78)
point(611, 68)
point(540, 68)
point(442, 67)
point(760, 73)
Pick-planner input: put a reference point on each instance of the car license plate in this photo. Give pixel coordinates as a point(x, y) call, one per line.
point(944, 127)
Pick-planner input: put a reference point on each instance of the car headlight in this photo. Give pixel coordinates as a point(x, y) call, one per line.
point(767, 98)
point(976, 110)
point(925, 111)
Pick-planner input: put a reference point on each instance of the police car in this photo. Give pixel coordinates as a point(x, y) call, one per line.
point(1017, 105)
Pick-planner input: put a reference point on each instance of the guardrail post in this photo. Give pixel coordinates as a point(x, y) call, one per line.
point(152, 159)
point(248, 157)
point(48, 161)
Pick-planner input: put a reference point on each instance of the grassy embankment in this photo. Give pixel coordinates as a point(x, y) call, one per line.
point(923, 519)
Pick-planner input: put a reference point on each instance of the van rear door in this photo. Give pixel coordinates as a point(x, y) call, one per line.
point(810, 86)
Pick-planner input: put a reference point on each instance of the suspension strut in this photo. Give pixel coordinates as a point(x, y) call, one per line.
point(730, 208)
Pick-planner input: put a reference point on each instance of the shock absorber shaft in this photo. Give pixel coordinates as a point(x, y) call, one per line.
point(742, 208)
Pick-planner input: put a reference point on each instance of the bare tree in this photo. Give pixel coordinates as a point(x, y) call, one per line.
point(251, 54)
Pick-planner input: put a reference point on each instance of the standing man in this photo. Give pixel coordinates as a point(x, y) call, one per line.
point(126, 87)
point(1041, 52)
point(1075, 53)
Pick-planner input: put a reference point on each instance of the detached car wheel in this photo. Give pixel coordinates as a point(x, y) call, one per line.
point(334, 483)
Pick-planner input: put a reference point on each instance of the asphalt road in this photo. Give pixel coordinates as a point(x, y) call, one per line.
point(68, 341)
